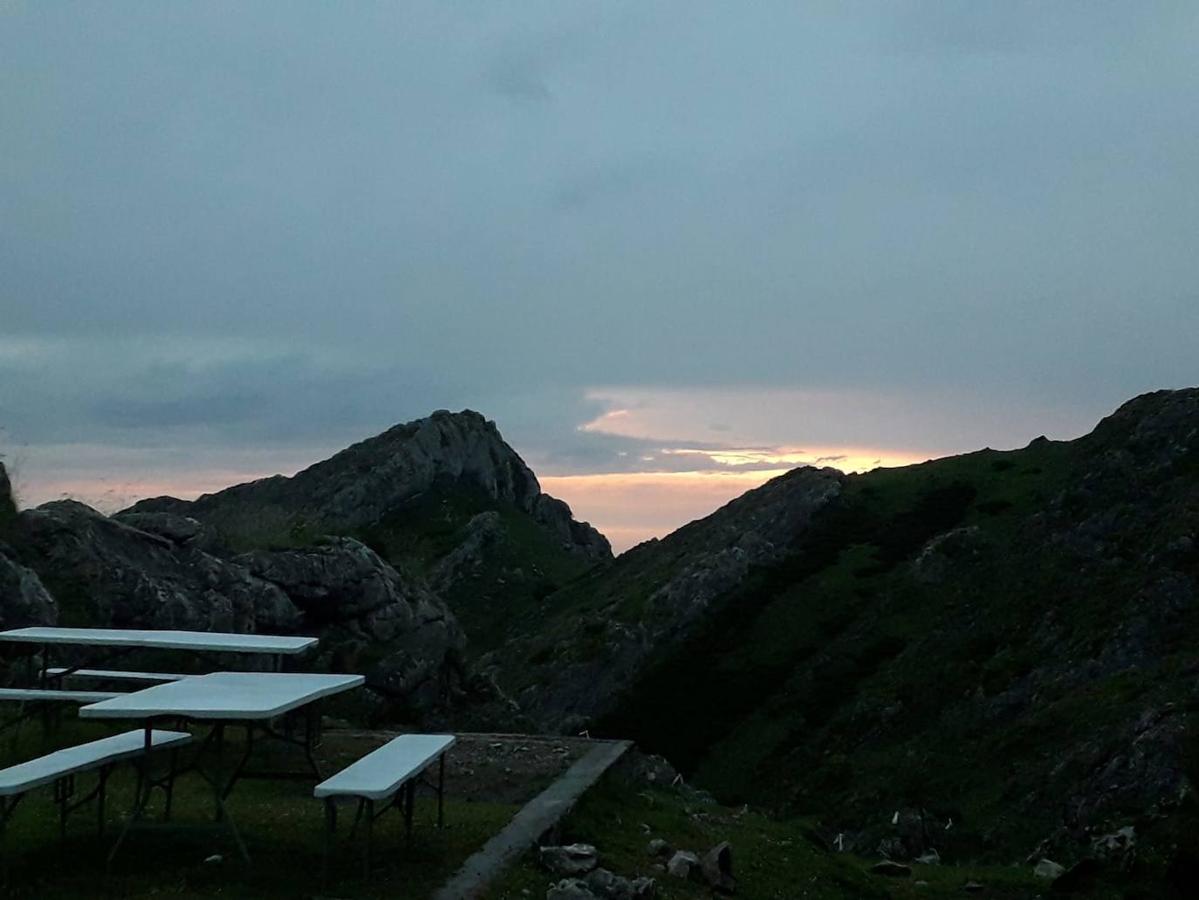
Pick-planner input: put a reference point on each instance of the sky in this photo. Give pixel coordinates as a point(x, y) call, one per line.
point(672, 249)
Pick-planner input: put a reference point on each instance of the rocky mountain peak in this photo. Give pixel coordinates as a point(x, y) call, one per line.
point(362, 484)
point(8, 507)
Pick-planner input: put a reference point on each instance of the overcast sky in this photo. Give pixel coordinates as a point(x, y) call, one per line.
point(237, 237)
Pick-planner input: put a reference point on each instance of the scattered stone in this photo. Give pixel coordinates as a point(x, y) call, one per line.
point(973, 887)
point(214, 859)
point(1047, 868)
point(920, 884)
point(606, 885)
point(1118, 849)
point(717, 868)
point(569, 889)
point(571, 859)
point(682, 864)
point(658, 847)
point(891, 869)
point(931, 858)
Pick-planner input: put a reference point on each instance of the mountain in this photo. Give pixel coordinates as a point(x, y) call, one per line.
point(1001, 646)
point(443, 498)
point(391, 551)
point(365, 484)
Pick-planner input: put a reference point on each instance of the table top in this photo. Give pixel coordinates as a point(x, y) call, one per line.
point(208, 641)
point(224, 696)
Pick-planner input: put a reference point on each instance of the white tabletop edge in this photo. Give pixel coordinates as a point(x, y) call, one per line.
point(209, 641)
point(176, 699)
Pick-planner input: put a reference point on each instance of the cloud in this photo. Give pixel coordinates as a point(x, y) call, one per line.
point(855, 232)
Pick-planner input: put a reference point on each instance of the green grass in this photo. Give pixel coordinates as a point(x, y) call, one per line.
point(772, 859)
point(280, 822)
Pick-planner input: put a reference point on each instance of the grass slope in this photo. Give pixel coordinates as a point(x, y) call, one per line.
point(992, 681)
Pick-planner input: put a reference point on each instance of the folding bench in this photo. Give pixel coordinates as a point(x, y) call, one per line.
point(387, 774)
point(60, 768)
point(44, 697)
point(61, 673)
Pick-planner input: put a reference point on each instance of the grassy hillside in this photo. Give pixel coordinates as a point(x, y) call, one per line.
point(499, 590)
point(1004, 641)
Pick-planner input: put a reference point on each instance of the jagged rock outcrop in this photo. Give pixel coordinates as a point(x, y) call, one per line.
point(106, 572)
point(680, 577)
point(24, 600)
point(181, 530)
point(8, 507)
point(373, 619)
point(366, 482)
point(481, 534)
point(369, 617)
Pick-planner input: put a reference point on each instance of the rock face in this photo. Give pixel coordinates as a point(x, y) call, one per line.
point(683, 578)
point(370, 618)
point(373, 620)
point(362, 484)
point(24, 600)
point(8, 508)
point(103, 571)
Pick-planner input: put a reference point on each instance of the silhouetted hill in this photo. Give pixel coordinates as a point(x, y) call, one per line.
point(1008, 641)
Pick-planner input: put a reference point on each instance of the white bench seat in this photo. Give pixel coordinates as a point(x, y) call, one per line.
point(113, 674)
point(93, 755)
point(388, 774)
point(45, 695)
point(382, 772)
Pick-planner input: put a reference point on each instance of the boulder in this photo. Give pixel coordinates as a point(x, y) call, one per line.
point(683, 864)
point(1047, 868)
point(1117, 849)
point(608, 886)
point(570, 859)
point(716, 866)
point(570, 889)
point(931, 858)
point(891, 869)
point(658, 847)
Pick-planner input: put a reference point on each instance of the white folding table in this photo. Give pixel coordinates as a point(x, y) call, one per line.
point(125, 640)
point(250, 699)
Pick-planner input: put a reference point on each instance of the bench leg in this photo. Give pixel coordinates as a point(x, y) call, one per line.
point(330, 836)
point(64, 790)
point(141, 797)
point(357, 818)
point(100, 797)
point(409, 802)
point(370, 833)
point(169, 785)
point(241, 765)
point(441, 792)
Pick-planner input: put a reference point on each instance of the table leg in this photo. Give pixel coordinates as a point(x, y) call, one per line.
point(141, 796)
point(241, 765)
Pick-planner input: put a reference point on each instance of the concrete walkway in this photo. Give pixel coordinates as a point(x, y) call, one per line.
point(534, 819)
